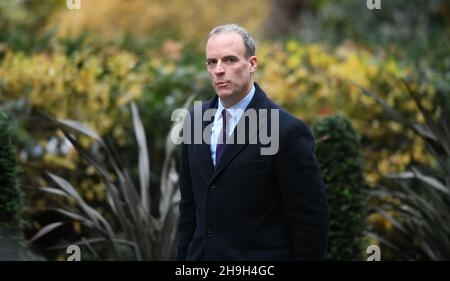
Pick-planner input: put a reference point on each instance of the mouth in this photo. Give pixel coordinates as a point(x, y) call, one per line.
point(222, 84)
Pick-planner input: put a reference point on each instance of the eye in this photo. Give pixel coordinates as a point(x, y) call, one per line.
point(230, 59)
point(210, 62)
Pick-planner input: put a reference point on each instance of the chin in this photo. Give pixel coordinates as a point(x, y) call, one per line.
point(224, 93)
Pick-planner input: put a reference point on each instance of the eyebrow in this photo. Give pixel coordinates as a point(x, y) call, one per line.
point(230, 57)
point(224, 57)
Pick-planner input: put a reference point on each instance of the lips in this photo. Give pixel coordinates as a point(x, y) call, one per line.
point(222, 84)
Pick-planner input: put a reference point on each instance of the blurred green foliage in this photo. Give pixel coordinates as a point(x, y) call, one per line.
point(339, 154)
point(11, 195)
point(417, 200)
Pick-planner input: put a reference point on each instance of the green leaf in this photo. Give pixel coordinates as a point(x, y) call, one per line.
point(144, 163)
point(45, 230)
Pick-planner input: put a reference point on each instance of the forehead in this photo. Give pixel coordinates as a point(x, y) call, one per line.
point(225, 43)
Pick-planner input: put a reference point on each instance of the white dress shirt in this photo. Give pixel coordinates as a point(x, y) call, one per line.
point(235, 113)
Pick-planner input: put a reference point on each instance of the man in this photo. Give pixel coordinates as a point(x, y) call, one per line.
point(238, 203)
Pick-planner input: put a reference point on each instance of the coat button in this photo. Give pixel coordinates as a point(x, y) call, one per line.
point(212, 188)
point(209, 233)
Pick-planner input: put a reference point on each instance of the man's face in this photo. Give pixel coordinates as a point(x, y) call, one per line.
point(230, 72)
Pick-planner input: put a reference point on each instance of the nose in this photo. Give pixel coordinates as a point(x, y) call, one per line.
point(219, 69)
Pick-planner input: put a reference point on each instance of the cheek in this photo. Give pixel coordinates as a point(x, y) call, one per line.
point(241, 73)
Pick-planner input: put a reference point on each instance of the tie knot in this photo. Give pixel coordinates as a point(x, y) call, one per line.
point(225, 116)
point(224, 113)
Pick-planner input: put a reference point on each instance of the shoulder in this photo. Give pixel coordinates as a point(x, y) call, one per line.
point(289, 125)
point(202, 106)
point(199, 109)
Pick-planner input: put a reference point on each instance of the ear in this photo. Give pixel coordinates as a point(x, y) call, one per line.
point(253, 62)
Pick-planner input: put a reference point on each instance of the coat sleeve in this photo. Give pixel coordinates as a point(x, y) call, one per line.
point(187, 221)
point(303, 193)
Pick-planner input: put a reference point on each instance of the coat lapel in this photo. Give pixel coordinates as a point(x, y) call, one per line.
point(205, 150)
